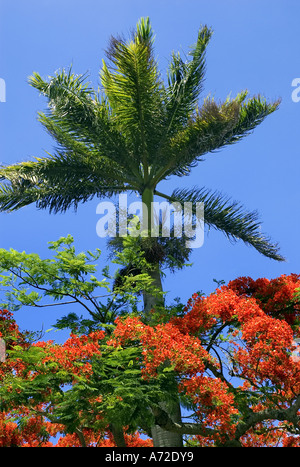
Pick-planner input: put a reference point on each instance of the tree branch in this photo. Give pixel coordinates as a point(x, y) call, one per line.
point(289, 415)
point(118, 435)
point(81, 437)
point(163, 420)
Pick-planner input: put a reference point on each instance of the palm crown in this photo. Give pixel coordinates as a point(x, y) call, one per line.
point(134, 133)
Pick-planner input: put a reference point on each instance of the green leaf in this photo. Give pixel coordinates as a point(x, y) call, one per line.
point(221, 213)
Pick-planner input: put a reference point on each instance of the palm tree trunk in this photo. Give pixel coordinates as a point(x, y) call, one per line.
point(161, 438)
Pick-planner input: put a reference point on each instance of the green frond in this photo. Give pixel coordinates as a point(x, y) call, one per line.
point(132, 85)
point(59, 182)
point(185, 82)
point(63, 86)
point(54, 198)
point(72, 105)
point(63, 137)
point(229, 217)
point(144, 32)
point(80, 121)
point(69, 96)
point(252, 113)
point(213, 127)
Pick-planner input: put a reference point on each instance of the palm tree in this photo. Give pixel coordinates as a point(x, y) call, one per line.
point(132, 134)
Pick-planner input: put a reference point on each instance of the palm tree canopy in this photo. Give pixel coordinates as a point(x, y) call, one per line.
point(134, 132)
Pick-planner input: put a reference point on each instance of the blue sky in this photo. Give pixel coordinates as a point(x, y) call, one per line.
point(255, 46)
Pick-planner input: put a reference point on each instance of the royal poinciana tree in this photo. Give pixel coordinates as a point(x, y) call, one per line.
point(136, 132)
point(233, 355)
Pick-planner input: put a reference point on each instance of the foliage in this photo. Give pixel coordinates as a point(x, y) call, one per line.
point(71, 278)
point(233, 354)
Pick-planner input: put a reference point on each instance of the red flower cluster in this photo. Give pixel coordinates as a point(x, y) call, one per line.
point(276, 296)
point(75, 354)
point(34, 431)
point(163, 343)
point(214, 403)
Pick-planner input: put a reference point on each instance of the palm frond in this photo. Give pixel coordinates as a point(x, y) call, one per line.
point(229, 217)
point(132, 85)
point(185, 82)
point(77, 116)
point(59, 182)
point(213, 127)
point(68, 95)
point(55, 199)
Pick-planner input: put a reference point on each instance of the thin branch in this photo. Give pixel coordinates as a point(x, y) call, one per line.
point(34, 284)
point(215, 335)
point(81, 437)
point(289, 415)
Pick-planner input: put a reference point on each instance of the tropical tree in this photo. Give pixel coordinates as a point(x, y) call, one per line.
point(234, 354)
point(133, 133)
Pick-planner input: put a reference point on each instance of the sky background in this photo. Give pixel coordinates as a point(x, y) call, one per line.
point(255, 46)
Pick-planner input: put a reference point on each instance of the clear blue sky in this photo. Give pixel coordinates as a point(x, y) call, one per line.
point(255, 46)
